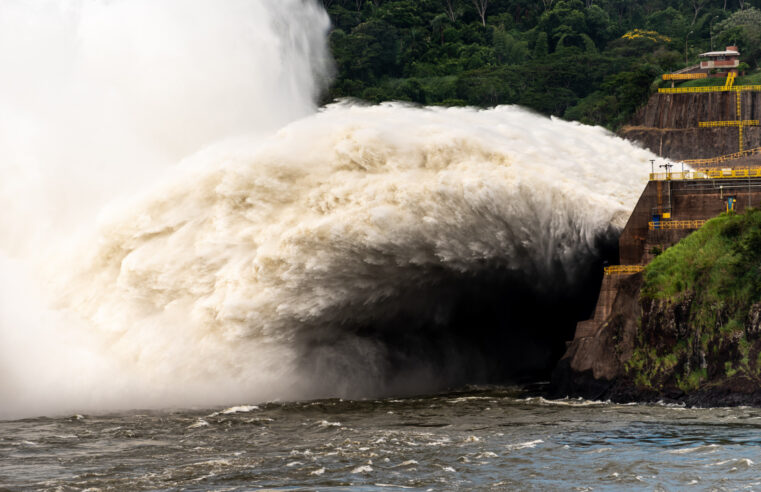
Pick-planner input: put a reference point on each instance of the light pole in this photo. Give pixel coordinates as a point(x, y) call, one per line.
point(668, 167)
point(685, 47)
point(710, 28)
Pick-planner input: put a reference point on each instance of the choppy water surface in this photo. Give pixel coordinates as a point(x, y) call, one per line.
point(488, 440)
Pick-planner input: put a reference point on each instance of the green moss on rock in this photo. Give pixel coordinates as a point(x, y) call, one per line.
point(701, 315)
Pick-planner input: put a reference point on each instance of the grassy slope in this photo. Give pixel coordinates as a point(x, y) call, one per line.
point(696, 299)
point(752, 78)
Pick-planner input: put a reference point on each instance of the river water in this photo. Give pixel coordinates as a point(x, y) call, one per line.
point(484, 439)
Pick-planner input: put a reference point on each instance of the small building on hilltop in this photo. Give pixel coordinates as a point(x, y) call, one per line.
point(721, 62)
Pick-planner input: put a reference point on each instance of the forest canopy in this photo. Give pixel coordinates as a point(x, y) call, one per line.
point(595, 61)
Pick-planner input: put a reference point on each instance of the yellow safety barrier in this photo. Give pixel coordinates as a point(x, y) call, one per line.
point(684, 76)
point(714, 124)
point(623, 269)
point(676, 224)
point(716, 88)
point(723, 158)
point(740, 127)
point(730, 80)
point(707, 174)
point(739, 123)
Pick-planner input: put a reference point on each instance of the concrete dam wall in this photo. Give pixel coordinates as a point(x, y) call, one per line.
point(668, 124)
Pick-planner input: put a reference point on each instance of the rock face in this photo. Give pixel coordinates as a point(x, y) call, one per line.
point(668, 124)
point(753, 325)
point(676, 358)
point(609, 364)
point(593, 363)
point(688, 329)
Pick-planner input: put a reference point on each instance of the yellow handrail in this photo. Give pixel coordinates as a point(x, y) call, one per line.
point(714, 124)
point(707, 174)
point(623, 269)
point(684, 76)
point(715, 88)
point(676, 224)
point(723, 158)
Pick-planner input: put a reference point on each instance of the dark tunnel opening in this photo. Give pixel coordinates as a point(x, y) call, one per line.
point(495, 327)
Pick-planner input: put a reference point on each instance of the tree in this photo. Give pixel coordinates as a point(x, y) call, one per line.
point(437, 24)
point(451, 10)
point(547, 4)
point(542, 46)
point(564, 23)
point(669, 22)
point(585, 59)
point(697, 6)
point(486, 87)
point(742, 28)
point(368, 53)
point(481, 6)
point(599, 26)
point(589, 45)
point(594, 109)
point(509, 50)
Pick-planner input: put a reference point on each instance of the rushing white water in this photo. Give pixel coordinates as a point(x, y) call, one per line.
point(99, 97)
point(204, 286)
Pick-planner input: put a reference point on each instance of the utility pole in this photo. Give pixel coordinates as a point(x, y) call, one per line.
point(710, 28)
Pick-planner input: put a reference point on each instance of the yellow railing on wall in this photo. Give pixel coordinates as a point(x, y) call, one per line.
point(684, 76)
point(623, 269)
point(723, 158)
point(715, 124)
point(676, 224)
point(708, 174)
point(715, 88)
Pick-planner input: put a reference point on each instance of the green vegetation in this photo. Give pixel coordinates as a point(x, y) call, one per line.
point(702, 308)
point(595, 61)
point(721, 261)
point(751, 78)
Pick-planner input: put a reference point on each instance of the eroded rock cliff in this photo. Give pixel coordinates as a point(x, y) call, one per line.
point(594, 363)
point(687, 329)
point(669, 124)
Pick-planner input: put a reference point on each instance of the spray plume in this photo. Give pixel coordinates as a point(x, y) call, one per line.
point(268, 265)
